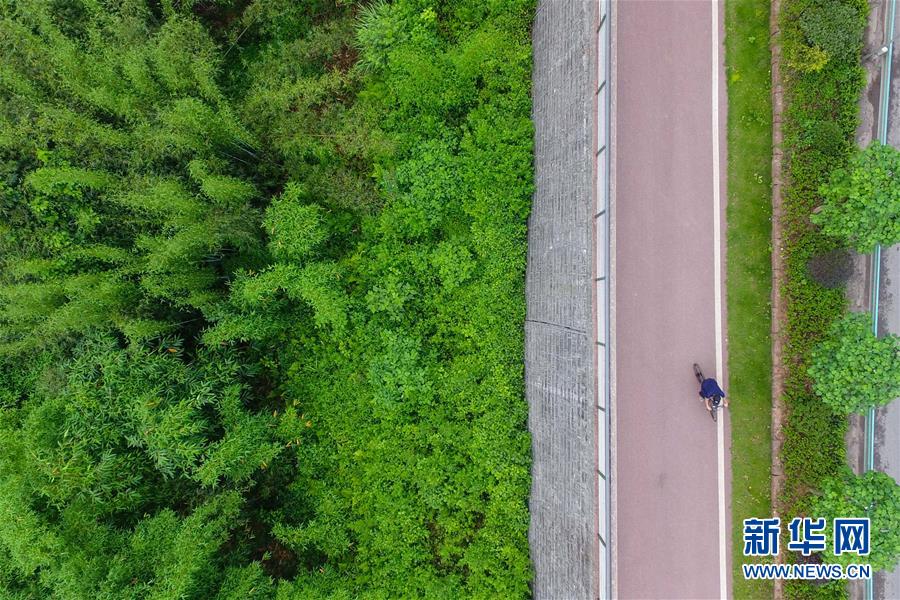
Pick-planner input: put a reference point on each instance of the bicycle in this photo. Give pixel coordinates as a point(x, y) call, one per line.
point(715, 401)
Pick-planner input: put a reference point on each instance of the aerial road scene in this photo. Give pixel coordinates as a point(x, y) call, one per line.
point(449, 299)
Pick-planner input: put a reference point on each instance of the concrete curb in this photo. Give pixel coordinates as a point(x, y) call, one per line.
point(778, 308)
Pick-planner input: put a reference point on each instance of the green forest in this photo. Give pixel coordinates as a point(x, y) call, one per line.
point(262, 298)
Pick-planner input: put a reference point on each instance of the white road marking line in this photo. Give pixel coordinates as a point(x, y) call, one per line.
point(717, 254)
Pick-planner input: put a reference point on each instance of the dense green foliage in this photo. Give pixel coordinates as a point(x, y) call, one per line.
point(831, 26)
point(819, 123)
point(822, 31)
point(862, 201)
point(852, 369)
point(749, 273)
point(123, 205)
point(874, 495)
point(261, 299)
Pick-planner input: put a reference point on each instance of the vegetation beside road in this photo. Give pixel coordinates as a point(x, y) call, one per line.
point(852, 369)
point(862, 202)
point(262, 299)
point(822, 92)
point(749, 271)
point(873, 494)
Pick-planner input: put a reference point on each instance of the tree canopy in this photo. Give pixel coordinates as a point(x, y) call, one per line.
point(862, 201)
point(852, 369)
point(261, 299)
point(873, 495)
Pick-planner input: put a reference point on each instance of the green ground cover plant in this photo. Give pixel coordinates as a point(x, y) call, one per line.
point(262, 299)
point(749, 271)
point(820, 120)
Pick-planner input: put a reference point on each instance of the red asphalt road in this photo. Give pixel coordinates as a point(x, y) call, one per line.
point(667, 503)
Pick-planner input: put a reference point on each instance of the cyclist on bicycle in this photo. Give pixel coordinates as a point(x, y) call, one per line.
point(711, 394)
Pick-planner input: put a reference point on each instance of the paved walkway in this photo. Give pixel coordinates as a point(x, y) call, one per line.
point(669, 488)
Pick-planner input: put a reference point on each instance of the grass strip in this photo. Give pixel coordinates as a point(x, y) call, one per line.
point(749, 271)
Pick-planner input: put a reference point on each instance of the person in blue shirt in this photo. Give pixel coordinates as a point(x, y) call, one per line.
point(711, 394)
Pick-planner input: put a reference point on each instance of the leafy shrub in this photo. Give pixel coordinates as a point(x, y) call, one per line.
point(833, 27)
point(862, 201)
point(807, 59)
point(873, 495)
point(826, 137)
point(852, 369)
point(816, 32)
point(813, 446)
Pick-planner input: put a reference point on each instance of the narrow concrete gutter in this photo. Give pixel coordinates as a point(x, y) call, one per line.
point(602, 298)
point(613, 498)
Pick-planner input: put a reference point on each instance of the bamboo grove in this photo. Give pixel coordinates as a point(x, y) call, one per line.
point(261, 298)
